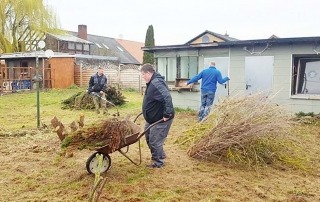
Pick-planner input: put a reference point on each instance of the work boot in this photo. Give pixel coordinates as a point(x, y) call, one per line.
point(153, 165)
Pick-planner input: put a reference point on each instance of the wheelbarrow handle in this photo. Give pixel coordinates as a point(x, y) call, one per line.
point(150, 126)
point(137, 117)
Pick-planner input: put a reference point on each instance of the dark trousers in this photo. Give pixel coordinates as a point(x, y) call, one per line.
point(155, 138)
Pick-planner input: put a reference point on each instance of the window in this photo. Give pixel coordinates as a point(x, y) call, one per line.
point(306, 75)
point(79, 46)
point(71, 45)
point(205, 39)
point(172, 69)
point(120, 49)
point(105, 46)
point(177, 67)
point(99, 46)
point(162, 66)
point(86, 47)
point(188, 66)
point(167, 67)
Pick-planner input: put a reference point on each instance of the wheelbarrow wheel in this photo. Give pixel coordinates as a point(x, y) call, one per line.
point(92, 164)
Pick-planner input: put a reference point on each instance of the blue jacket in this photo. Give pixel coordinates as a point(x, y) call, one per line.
point(210, 77)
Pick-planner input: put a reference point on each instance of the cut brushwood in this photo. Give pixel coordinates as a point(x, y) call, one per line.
point(111, 132)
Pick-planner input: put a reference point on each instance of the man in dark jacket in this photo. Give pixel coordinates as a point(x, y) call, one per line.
point(97, 87)
point(157, 105)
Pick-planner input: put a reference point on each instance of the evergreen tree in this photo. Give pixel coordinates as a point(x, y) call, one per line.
point(149, 42)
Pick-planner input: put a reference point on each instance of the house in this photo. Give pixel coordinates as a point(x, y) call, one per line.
point(134, 48)
point(77, 55)
point(287, 68)
point(120, 58)
point(106, 46)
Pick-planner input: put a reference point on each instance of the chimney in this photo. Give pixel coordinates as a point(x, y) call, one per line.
point(82, 31)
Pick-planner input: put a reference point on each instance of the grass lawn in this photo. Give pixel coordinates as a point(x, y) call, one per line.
point(33, 167)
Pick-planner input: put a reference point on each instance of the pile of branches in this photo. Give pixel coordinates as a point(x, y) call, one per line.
point(83, 100)
point(247, 129)
point(111, 132)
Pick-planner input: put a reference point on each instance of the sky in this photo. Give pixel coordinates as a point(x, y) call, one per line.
point(178, 21)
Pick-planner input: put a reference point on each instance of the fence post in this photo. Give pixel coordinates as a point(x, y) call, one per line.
point(80, 66)
point(119, 75)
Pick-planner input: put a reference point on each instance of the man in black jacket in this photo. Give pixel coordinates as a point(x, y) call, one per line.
point(98, 87)
point(157, 105)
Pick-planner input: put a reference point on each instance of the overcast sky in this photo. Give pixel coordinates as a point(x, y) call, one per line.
point(178, 21)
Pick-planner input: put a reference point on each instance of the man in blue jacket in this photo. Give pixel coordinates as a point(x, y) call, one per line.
point(157, 105)
point(210, 77)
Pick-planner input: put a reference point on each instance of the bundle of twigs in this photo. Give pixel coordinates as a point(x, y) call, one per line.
point(237, 122)
point(111, 132)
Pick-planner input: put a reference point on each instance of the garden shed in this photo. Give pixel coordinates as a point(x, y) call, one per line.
point(19, 71)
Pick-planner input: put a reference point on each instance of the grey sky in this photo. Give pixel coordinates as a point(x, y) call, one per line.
point(178, 21)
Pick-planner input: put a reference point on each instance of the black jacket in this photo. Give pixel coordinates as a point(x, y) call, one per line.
point(97, 83)
point(157, 101)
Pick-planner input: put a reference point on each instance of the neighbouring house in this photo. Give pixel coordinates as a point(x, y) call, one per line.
point(286, 68)
point(77, 55)
point(134, 48)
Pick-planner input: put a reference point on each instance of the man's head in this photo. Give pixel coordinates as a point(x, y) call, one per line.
point(100, 71)
point(212, 64)
point(147, 70)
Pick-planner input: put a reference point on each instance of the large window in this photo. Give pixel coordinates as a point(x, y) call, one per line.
point(162, 66)
point(177, 67)
point(188, 66)
point(172, 69)
point(306, 75)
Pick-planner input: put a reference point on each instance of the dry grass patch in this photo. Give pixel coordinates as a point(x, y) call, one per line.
point(33, 169)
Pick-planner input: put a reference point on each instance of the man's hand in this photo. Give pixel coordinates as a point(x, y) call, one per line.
point(188, 85)
point(165, 119)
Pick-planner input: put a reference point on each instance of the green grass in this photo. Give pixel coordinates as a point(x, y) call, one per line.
point(19, 110)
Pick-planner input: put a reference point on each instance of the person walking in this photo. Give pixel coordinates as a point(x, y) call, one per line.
point(210, 76)
point(97, 88)
point(157, 105)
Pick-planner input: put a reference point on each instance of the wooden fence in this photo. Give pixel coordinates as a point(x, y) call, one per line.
point(122, 76)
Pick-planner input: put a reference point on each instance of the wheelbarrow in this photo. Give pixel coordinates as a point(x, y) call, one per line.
point(92, 164)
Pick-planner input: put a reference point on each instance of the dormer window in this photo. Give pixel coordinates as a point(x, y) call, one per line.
point(105, 46)
point(99, 46)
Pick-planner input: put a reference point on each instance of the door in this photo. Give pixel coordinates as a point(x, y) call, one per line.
point(259, 74)
point(222, 64)
point(312, 78)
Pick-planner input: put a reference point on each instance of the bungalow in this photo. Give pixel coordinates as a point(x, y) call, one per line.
point(288, 68)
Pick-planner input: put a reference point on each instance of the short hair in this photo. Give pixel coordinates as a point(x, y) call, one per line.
point(212, 63)
point(147, 68)
point(100, 67)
